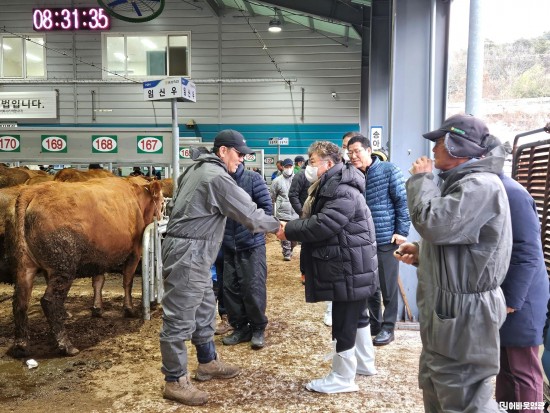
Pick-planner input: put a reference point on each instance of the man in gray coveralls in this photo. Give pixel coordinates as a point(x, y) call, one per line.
point(462, 259)
point(206, 195)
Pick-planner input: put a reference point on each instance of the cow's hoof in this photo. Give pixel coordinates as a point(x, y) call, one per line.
point(69, 350)
point(130, 312)
point(97, 312)
point(19, 351)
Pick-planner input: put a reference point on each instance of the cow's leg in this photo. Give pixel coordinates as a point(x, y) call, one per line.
point(97, 283)
point(21, 297)
point(128, 273)
point(53, 305)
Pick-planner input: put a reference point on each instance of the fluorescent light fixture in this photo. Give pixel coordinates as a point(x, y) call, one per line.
point(6, 47)
point(119, 56)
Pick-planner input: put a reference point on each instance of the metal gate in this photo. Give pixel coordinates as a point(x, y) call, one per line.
point(530, 168)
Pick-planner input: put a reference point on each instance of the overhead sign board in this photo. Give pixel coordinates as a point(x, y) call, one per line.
point(278, 141)
point(28, 105)
point(180, 88)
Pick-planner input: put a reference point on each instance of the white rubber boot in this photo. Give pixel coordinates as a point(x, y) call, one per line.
point(364, 351)
point(342, 377)
point(327, 319)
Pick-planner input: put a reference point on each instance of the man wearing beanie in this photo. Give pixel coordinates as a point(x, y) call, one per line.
point(206, 195)
point(462, 260)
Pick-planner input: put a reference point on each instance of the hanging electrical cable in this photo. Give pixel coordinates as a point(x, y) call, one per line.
point(264, 45)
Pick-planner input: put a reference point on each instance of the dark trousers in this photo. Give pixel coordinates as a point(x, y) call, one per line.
point(388, 271)
point(347, 317)
point(244, 287)
point(520, 378)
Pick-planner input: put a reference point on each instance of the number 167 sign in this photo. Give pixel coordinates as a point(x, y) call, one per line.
point(149, 144)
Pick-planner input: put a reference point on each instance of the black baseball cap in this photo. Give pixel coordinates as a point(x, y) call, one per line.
point(466, 136)
point(232, 139)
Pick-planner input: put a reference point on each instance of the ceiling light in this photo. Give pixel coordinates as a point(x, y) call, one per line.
point(275, 25)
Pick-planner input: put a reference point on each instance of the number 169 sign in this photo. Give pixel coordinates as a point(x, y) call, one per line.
point(149, 144)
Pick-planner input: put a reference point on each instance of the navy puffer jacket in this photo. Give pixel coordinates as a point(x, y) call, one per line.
point(386, 197)
point(236, 236)
point(338, 239)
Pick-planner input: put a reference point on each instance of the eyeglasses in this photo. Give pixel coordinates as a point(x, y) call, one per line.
point(355, 152)
point(240, 155)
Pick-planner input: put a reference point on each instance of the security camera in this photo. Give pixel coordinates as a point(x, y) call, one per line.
point(333, 95)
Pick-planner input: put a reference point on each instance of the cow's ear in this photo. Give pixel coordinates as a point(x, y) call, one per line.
point(155, 188)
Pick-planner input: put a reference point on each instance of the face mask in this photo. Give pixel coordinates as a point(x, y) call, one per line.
point(345, 156)
point(288, 172)
point(311, 173)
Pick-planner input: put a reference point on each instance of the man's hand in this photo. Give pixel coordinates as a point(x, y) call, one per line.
point(281, 232)
point(422, 164)
point(407, 253)
point(398, 239)
point(510, 310)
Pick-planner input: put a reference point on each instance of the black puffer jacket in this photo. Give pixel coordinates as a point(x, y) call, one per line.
point(338, 239)
point(297, 194)
point(237, 237)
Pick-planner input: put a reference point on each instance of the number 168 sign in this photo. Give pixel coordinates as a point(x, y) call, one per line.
point(149, 144)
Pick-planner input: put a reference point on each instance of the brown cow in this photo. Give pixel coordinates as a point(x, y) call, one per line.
point(74, 175)
point(17, 175)
point(7, 203)
point(68, 230)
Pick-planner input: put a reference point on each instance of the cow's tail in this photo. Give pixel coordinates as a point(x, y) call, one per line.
point(15, 228)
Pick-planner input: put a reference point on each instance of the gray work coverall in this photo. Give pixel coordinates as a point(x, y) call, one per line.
point(206, 196)
point(464, 255)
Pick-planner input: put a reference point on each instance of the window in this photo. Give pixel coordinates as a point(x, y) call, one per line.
point(22, 58)
point(154, 55)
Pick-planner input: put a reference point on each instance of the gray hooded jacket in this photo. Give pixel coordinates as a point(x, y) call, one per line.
point(206, 196)
point(464, 255)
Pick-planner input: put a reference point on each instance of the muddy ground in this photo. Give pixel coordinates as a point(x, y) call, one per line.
point(117, 369)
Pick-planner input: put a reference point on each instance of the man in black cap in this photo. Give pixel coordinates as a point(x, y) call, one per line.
point(462, 259)
point(206, 195)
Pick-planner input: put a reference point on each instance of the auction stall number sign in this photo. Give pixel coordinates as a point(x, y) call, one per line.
point(149, 144)
point(185, 153)
point(104, 144)
point(251, 157)
point(10, 143)
point(54, 143)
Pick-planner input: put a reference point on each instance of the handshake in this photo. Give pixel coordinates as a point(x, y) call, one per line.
point(281, 232)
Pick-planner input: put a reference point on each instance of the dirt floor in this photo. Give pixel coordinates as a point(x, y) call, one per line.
point(117, 369)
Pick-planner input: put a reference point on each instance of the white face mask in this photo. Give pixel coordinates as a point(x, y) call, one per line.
point(311, 173)
point(345, 156)
point(288, 171)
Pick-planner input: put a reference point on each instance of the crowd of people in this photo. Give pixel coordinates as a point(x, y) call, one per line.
point(482, 284)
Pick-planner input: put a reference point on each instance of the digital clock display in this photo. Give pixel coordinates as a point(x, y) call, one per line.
point(70, 18)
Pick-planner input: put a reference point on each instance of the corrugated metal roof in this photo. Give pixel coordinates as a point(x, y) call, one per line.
point(342, 18)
